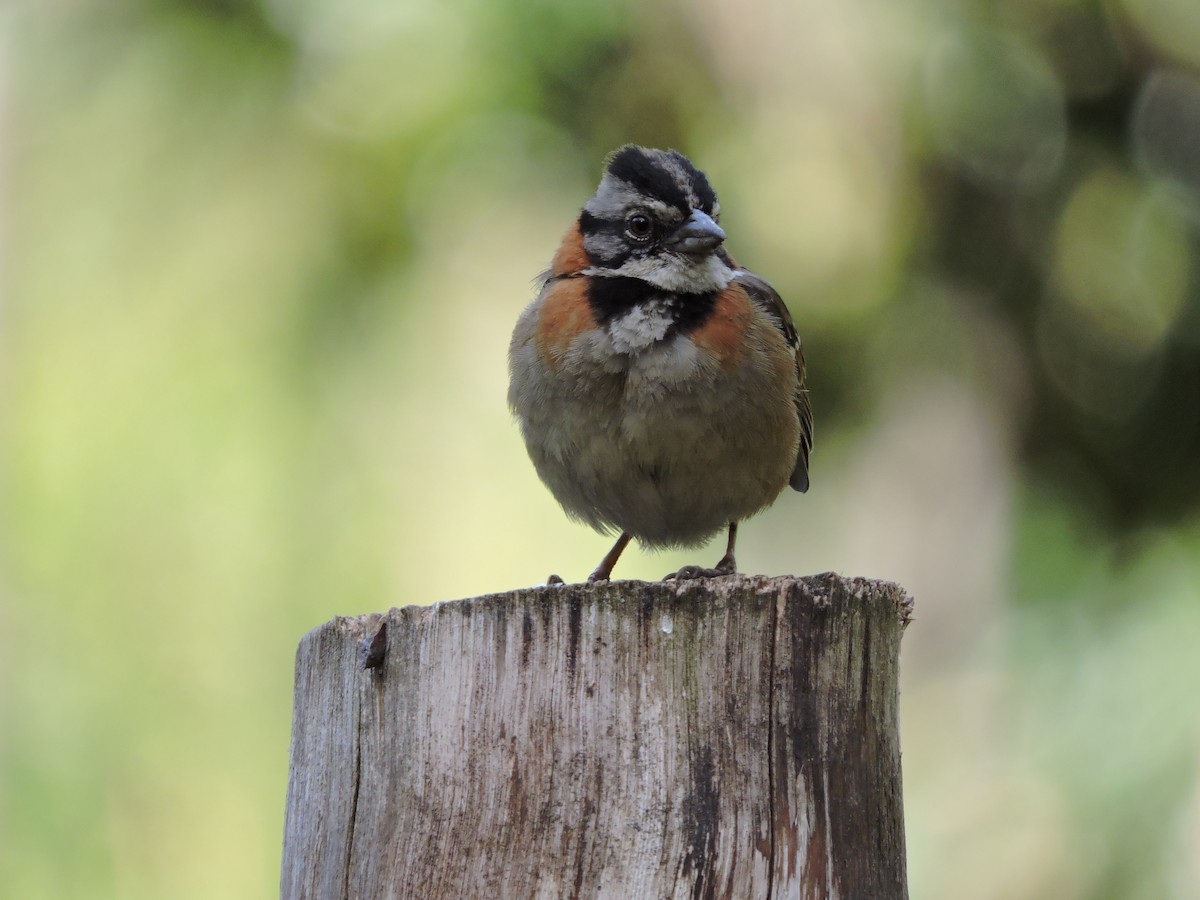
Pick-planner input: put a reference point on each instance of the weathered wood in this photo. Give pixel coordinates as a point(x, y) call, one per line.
point(729, 738)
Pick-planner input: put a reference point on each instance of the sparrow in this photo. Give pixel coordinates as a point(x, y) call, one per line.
point(659, 387)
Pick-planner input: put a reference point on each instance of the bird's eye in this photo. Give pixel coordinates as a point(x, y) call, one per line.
point(639, 227)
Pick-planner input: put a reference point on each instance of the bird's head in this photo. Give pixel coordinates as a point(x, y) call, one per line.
point(654, 218)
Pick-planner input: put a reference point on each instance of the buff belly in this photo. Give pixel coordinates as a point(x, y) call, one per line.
point(664, 443)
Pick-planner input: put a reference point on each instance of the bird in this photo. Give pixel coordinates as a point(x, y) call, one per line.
point(659, 387)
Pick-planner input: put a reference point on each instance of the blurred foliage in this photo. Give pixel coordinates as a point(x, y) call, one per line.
point(260, 263)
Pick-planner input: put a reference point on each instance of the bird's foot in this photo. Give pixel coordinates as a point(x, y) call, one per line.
point(726, 566)
point(554, 580)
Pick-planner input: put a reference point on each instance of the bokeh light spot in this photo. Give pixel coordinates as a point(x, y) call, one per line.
point(1122, 260)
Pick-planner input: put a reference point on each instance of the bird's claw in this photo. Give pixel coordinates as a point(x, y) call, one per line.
point(691, 573)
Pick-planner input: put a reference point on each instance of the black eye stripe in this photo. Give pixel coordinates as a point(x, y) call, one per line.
point(612, 245)
point(608, 247)
point(589, 224)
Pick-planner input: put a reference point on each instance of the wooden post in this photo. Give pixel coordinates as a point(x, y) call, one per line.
point(726, 738)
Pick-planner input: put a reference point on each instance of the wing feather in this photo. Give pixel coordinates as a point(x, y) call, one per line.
point(766, 297)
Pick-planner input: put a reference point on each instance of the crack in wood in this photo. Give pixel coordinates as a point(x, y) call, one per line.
point(776, 600)
point(357, 779)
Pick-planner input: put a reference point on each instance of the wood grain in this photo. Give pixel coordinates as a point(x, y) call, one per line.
point(729, 738)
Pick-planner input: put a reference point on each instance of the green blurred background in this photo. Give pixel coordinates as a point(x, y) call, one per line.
point(260, 264)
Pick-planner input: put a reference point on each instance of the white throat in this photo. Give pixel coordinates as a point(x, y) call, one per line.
point(674, 274)
point(643, 325)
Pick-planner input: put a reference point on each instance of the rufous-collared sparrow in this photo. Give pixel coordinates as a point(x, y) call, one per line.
point(659, 387)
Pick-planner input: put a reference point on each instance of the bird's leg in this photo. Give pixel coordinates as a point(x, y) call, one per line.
point(606, 565)
point(727, 565)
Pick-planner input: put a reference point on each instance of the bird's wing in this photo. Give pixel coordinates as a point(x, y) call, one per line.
point(766, 297)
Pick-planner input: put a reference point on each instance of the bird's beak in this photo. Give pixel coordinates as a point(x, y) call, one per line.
point(699, 234)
